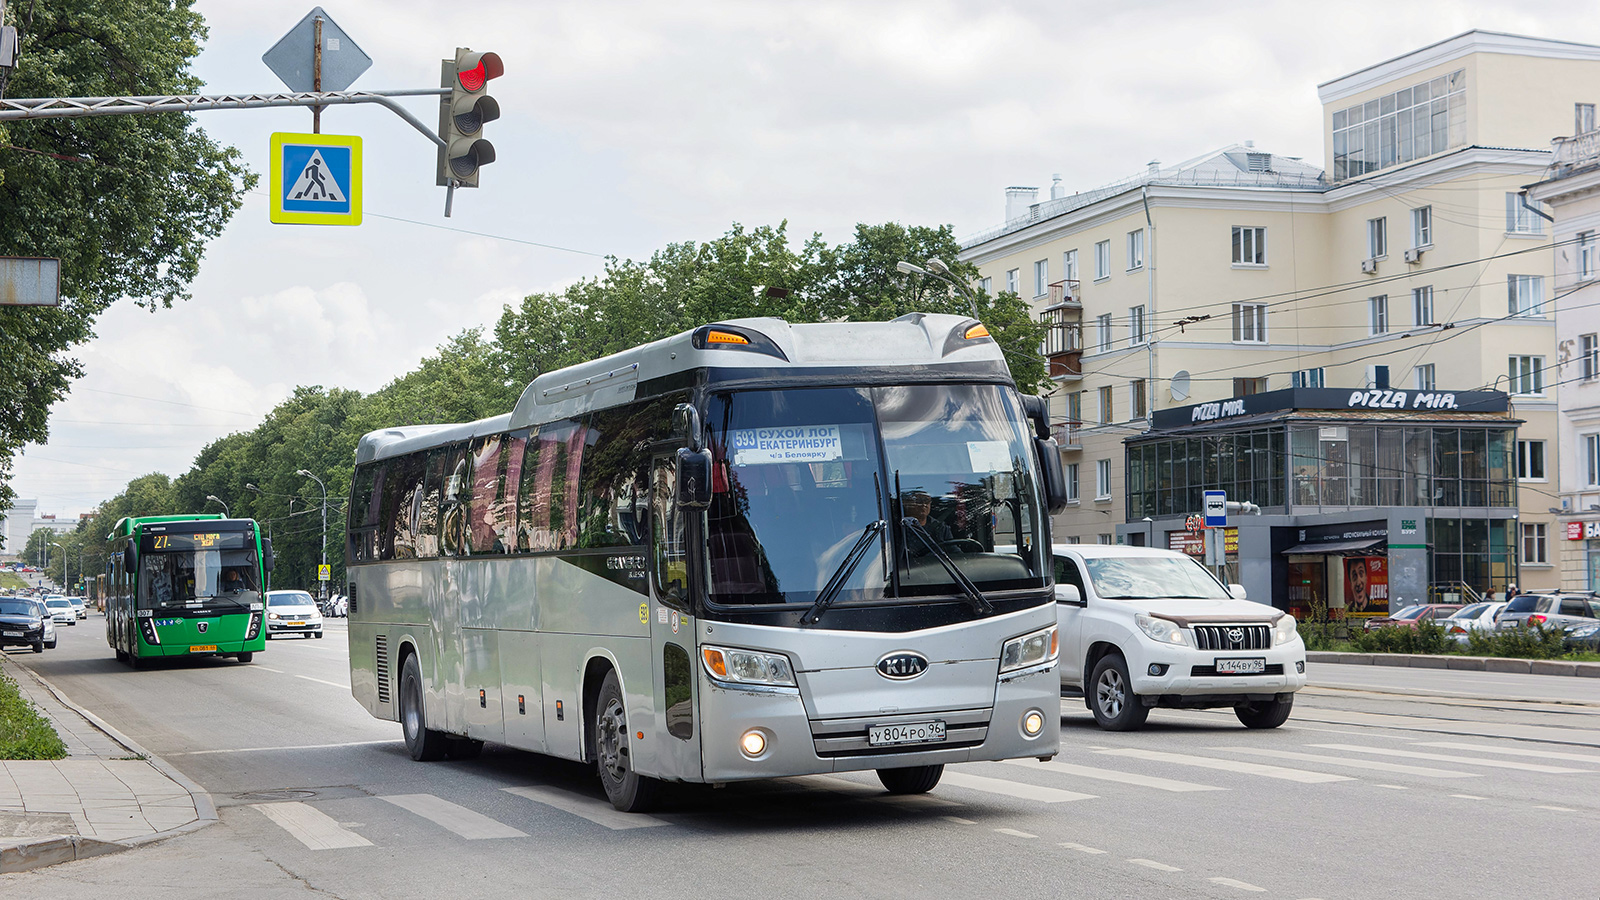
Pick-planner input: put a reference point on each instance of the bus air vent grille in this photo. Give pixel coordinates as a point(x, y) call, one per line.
point(381, 666)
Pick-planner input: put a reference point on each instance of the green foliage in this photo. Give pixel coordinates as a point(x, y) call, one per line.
point(1537, 642)
point(1427, 637)
point(1318, 635)
point(126, 202)
point(24, 733)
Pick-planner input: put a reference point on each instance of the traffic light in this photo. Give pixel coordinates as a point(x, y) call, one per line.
point(462, 114)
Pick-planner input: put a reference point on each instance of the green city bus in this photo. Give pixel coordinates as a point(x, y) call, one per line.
point(186, 586)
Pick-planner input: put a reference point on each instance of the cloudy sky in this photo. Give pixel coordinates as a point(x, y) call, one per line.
point(628, 125)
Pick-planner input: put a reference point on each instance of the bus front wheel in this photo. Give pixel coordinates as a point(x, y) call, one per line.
point(626, 788)
point(423, 743)
point(910, 780)
point(247, 656)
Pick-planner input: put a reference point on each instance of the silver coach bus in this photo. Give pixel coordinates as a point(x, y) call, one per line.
point(747, 551)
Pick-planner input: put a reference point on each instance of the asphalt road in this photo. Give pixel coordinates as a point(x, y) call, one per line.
point(1385, 783)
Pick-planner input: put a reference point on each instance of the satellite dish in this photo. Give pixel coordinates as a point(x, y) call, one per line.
point(1180, 385)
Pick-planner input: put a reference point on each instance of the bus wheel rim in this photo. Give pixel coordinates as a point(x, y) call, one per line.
point(613, 735)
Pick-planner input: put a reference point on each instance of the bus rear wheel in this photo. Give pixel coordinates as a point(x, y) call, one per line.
point(423, 743)
point(910, 780)
point(122, 655)
point(625, 788)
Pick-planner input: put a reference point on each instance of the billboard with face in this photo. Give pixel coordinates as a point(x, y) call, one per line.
point(1366, 585)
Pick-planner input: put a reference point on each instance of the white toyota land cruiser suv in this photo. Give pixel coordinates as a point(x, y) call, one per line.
point(1142, 627)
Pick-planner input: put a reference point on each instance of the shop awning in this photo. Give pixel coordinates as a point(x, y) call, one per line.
point(1329, 548)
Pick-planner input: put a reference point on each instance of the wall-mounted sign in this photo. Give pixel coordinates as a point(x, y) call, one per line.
point(1329, 398)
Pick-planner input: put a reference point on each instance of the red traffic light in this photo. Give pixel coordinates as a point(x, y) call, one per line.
point(474, 70)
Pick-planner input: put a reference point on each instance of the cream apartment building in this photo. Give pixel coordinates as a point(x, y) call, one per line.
point(1411, 264)
point(1573, 192)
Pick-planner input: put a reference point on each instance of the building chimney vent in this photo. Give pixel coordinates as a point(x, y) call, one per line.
point(1018, 199)
point(1057, 190)
point(1155, 167)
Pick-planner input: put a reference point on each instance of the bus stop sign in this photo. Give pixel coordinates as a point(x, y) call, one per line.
point(1216, 509)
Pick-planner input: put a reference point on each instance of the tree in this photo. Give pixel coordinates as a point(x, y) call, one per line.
point(126, 202)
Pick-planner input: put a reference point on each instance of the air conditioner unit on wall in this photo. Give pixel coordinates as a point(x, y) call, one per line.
point(1369, 266)
point(1414, 255)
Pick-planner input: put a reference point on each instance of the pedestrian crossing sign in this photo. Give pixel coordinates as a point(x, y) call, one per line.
point(316, 179)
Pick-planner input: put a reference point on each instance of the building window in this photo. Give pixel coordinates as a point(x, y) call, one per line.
point(1582, 118)
point(1533, 549)
point(1585, 255)
point(1136, 324)
point(1527, 374)
point(1530, 460)
point(1102, 329)
point(987, 286)
point(1422, 226)
point(1307, 378)
point(1244, 387)
point(1422, 305)
point(1589, 356)
point(1070, 474)
point(1378, 314)
point(1249, 245)
point(1136, 400)
point(1105, 405)
point(1525, 295)
point(1041, 278)
point(1250, 323)
point(1135, 249)
point(1074, 411)
point(1591, 457)
point(1069, 265)
point(1409, 124)
point(1377, 238)
point(1104, 537)
point(1102, 479)
point(1519, 218)
point(1102, 260)
point(1014, 281)
point(1425, 378)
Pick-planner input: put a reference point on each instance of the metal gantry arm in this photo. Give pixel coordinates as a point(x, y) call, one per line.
point(74, 107)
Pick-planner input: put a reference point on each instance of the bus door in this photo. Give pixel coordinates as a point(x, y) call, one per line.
point(672, 628)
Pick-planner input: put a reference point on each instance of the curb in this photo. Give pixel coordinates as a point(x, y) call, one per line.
point(1465, 663)
point(48, 851)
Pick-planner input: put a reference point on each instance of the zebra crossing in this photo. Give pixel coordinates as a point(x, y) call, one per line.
point(1104, 772)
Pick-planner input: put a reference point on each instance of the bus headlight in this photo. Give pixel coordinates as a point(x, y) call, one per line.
point(1033, 649)
point(1285, 630)
point(747, 666)
point(1164, 630)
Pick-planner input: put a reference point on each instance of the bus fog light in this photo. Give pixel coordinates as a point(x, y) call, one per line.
point(753, 743)
point(1032, 722)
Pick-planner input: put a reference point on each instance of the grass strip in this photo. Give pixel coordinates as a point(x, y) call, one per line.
point(24, 732)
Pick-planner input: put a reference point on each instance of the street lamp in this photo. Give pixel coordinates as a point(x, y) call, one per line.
point(938, 270)
point(212, 498)
point(65, 581)
point(307, 473)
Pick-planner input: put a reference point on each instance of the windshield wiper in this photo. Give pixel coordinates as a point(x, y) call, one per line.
point(847, 566)
point(980, 605)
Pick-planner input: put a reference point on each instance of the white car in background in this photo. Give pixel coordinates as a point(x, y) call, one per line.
point(61, 610)
point(1479, 617)
point(292, 612)
point(1142, 627)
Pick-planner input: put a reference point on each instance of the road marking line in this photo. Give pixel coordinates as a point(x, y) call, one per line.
point(868, 791)
point(1150, 781)
point(1468, 797)
point(1393, 787)
point(1492, 763)
point(1080, 848)
point(269, 749)
point(1012, 788)
point(1152, 864)
point(599, 812)
point(1508, 751)
point(269, 669)
point(958, 820)
point(1241, 885)
point(310, 826)
point(1015, 833)
point(1556, 808)
point(320, 681)
point(1374, 765)
point(1231, 765)
point(471, 825)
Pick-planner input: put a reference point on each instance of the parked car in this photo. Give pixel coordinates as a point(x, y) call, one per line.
point(1411, 615)
point(23, 623)
point(1555, 610)
point(1583, 637)
point(338, 606)
point(1477, 617)
point(292, 612)
point(61, 609)
point(1142, 627)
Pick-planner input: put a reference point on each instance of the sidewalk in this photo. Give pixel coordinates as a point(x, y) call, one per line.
point(108, 795)
point(1465, 663)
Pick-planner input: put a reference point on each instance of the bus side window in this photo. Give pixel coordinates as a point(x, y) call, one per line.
point(485, 487)
point(402, 503)
point(428, 506)
point(456, 504)
point(667, 536)
point(364, 499)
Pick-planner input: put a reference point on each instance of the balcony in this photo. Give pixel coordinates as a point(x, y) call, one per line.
point(1065, 295)
point(1063, 341)
point(1576, 152)
point(1068, 434)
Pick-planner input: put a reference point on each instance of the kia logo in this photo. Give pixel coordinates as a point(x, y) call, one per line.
point(1236, 635)
point(902, 665)
point(202, 626)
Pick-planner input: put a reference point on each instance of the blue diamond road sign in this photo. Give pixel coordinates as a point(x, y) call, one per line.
point(316, 179)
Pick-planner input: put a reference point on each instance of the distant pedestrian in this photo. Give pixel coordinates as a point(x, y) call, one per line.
point(1489, 595)
point(1511, 593)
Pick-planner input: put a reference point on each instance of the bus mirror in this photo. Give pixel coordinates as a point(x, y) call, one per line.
point(128, 560)
point(1054, 482)
point(266, 554)
point(1034, 408)
point(694, 478)
point(686, 424)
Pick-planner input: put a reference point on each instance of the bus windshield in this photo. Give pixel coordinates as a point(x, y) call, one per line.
point(802, 476)
point(191, 577)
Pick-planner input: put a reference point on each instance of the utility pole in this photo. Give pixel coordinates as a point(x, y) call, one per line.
point(323, 589)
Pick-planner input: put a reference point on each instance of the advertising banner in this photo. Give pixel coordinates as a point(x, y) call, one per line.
point(1366, 585)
